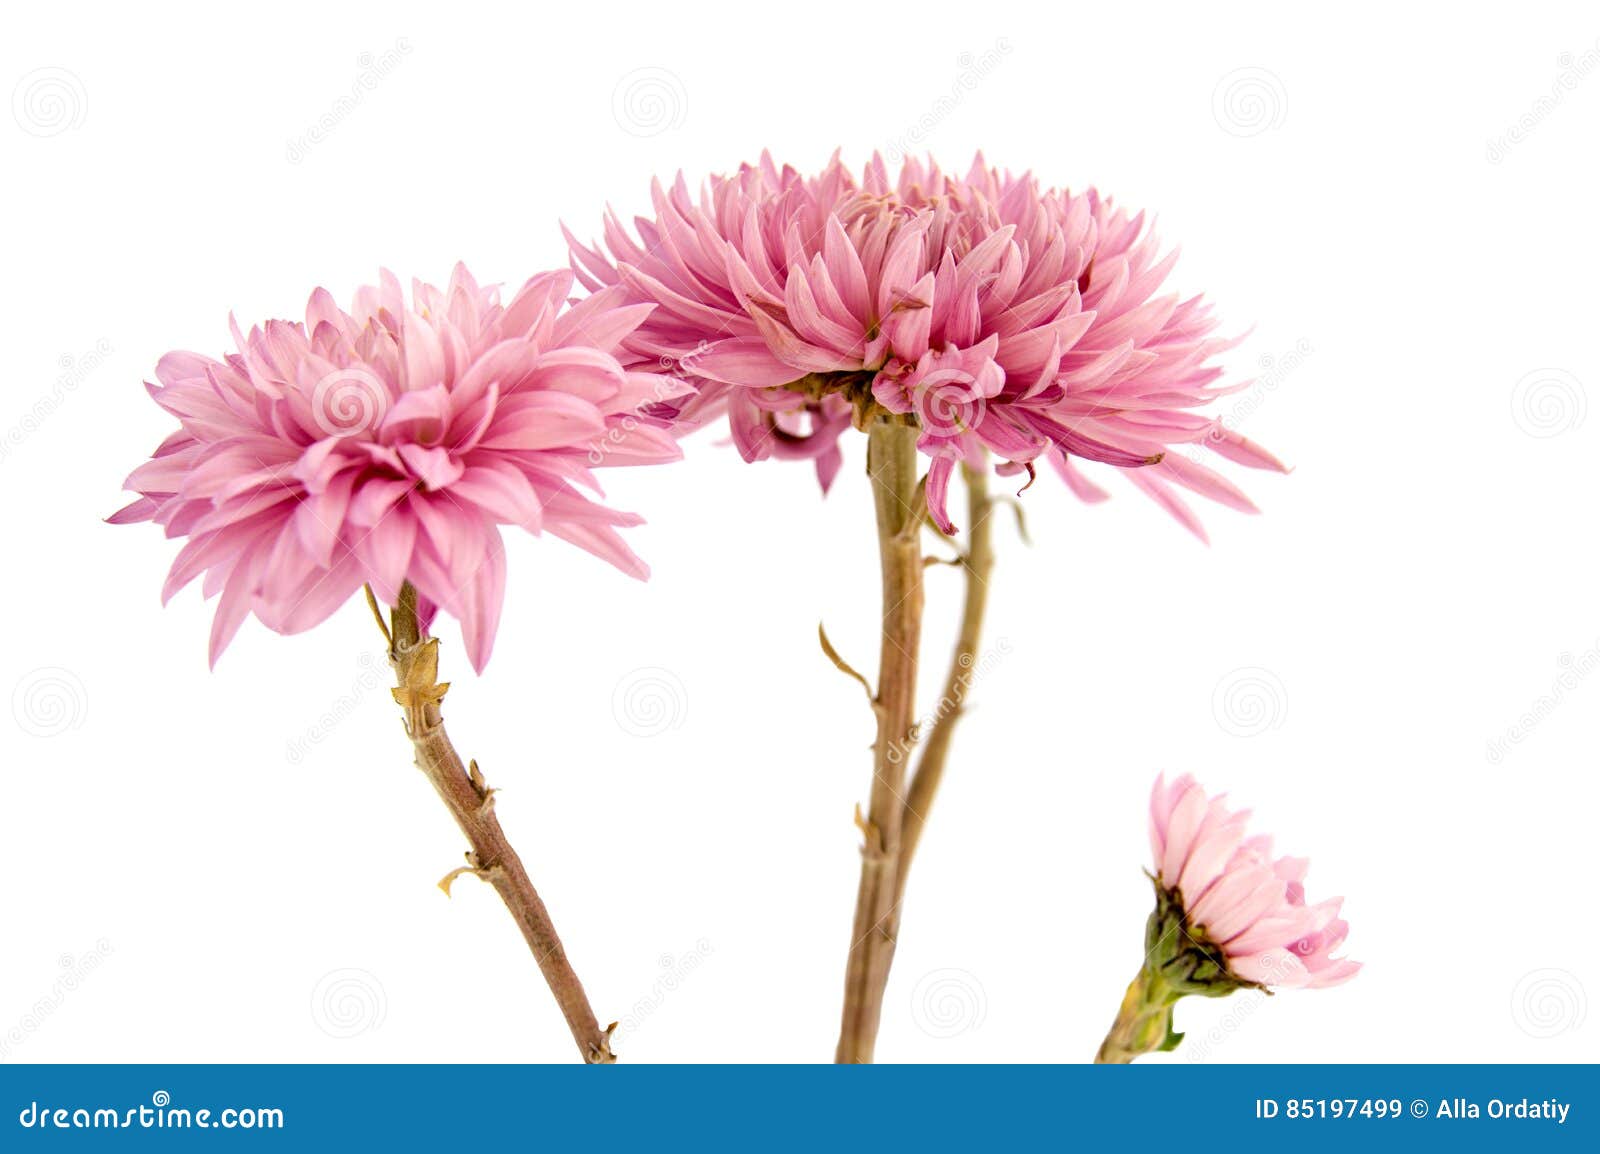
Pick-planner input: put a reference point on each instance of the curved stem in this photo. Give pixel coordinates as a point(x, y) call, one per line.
point(976, 565)
point(471, 802)
point(892, 464)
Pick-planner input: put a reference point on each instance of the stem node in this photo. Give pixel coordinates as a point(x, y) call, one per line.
point(470, 801)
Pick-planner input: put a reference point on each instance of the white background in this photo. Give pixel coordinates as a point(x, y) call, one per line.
point(239, 865)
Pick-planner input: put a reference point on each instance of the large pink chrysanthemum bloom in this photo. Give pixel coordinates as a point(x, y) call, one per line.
point(1000, 315)
point(389, 443)
point(1236, 898)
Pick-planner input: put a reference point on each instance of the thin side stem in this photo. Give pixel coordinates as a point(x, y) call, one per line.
point(892, 464)
point(471, 802)
point(976, 566)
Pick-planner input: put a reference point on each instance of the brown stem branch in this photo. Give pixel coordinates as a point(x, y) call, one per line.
point(893, 466)
point(471, 802)
point(976, 565)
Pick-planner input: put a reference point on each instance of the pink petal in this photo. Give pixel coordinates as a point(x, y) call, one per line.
point(743, 361)
point(543, 420)
point(939, 470)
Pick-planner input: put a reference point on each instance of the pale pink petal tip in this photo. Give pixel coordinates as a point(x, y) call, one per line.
point(1248, 903)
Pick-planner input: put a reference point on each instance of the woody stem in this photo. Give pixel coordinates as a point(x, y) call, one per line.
point(892, 464)
point(471, 803)
point(976, 565)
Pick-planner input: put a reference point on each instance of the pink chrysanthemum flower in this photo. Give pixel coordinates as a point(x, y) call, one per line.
point(389, 443)
point(1233, 893)
point(1000, 315)
point(1228, 917)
